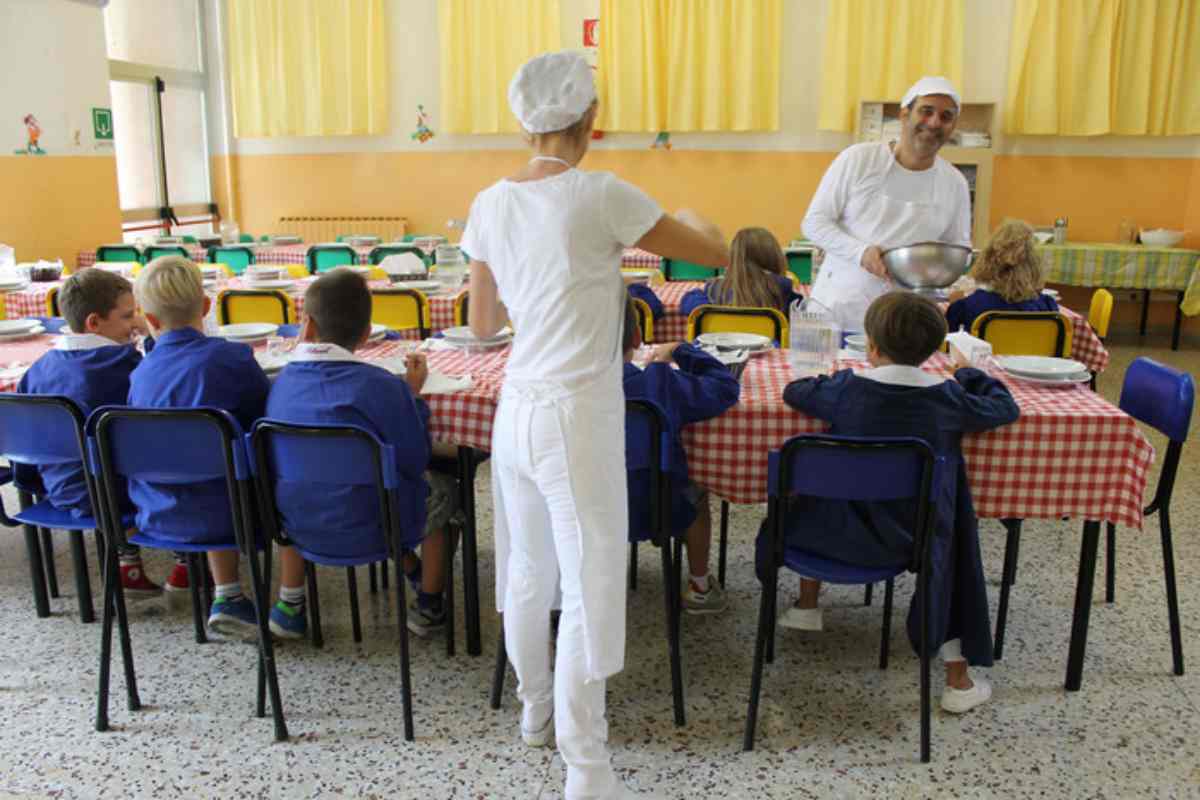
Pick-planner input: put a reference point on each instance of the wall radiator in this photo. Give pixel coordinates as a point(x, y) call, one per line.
point(315, 230)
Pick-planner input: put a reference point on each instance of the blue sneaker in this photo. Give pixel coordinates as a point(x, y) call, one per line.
point(233, 617)
point(288, 622)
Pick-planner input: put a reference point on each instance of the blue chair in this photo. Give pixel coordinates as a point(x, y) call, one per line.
point(122, 253)
point(38, 430)
point(206, 444)
point(324, 257)
point(647, 457)
point(340, 456)
point(852, 469)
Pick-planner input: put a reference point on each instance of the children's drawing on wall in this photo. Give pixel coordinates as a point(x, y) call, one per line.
point(423, 133)
point(33, 132)
point(662, 141)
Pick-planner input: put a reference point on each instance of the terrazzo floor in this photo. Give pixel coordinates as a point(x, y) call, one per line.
point(831, 723)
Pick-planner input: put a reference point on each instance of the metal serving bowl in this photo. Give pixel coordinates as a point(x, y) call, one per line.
point(927, 265)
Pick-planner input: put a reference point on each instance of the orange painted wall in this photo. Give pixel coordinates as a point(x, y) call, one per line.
point(55, 206)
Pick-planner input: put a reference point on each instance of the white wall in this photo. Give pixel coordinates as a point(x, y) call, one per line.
point(414, 69)
point(54, 66)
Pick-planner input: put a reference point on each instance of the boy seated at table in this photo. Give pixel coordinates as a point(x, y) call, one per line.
point(897, 398)
point(187, 369)
point(757, 276)
point(701, 388)
point(1007, 276)
point(91, 366)
point(325, 383)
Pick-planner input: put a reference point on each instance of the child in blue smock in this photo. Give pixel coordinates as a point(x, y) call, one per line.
point(757, 276)
point(187, 369)
point(897, 398)
point(1008, 277)
point(701, 388)
point(325, 383)
point(91, 366)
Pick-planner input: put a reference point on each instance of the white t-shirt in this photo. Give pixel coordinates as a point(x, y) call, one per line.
point(554, 246)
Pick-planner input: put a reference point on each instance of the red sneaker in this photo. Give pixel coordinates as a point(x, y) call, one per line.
point(135, 583)
point(177, 581)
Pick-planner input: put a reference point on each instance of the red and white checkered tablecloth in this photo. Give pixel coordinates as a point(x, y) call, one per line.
point(1072, 453)
point(633, 257)
point(29, 302)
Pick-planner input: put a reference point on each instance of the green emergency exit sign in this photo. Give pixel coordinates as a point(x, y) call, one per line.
point(102, 126)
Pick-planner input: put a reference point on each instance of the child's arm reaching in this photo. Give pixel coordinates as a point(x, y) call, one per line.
point(818, 397)
point(702, 388)
point(987, 402)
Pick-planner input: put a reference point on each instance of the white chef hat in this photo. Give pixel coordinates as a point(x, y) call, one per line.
point(552, 91)
point(931, 85)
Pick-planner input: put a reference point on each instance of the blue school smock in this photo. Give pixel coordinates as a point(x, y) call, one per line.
point(878, 534)
point(962, 313)
point(702, 388)
point(352, 392)
point(93, 372)
point(713, 293)
point(644, 293)
point(187, 369)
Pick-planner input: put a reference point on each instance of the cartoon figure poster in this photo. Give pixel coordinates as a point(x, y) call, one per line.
point(423, 133)
point(33, 132)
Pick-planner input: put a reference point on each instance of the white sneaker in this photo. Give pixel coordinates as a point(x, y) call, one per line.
point(960, 701)
point(543, 737)
point(803, 619)
point(710, 602)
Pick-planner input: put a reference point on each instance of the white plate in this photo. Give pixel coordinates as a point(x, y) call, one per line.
point(10, 326)
point(36, 330)
point(735, 341)
point(1041, 366)
point(428, 287)
point(377, 332)
point(857, 341)
point(462, 335)
point(16, 286)
point(1071, 380)
point(274, 283)
point(247, 331)
point(1051, 293)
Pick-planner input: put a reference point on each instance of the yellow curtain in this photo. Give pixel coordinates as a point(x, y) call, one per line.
point(1091, 67)
point(689, 65)
point(308, 67)
point(483, 42)
point(876, 49)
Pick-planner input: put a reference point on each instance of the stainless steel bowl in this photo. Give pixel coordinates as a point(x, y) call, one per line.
point(927, 265)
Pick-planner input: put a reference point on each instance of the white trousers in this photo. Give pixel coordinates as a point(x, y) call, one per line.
point(552, 524)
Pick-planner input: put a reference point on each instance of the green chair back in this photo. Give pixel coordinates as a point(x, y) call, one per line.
point(247, 238)
point(381, 252)
point(677, 270)
point(324, 257)
point(801, 265)
point(155, 250)
point(122, 253)
point(236, 258)
point(189, 239)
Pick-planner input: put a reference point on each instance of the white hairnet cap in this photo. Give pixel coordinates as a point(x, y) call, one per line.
point(552, 91)
point(932, 85)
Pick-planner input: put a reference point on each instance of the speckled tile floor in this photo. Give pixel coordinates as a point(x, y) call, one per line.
point(831, 724)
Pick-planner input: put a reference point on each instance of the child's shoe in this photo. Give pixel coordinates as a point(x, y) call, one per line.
point(234, 618)
point(135, 583)
point(802, 619)
point(960, 701)
point(709, 602)
point(288, 621)
point(426, 619)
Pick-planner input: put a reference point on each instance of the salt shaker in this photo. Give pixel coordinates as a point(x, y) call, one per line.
point(1060, 230)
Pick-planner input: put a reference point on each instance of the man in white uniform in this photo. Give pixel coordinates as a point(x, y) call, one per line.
point(878, 195)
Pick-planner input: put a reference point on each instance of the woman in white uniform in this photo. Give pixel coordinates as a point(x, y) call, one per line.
point(545, 249)
point(878, 195)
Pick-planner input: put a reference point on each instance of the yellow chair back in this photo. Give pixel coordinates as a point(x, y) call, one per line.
point(656, 275)
point(462, 304)
point(1100, 313)
point(52, 309)
point(3, 307)
point(400, 309)
point(1025, 333)
point(255, 305)
point(645, 319)
point(768, 322)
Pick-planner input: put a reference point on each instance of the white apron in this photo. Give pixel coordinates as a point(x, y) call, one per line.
point(847, 289)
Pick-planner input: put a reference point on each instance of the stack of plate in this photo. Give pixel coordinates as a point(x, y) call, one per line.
point(857, 342)
point(637, 275)
point(751, 342)
point(463, 337)
point(1045, 371)
point(247, 332)
point(285, 239)
point(377, 332)
point(20, 328)
point(13, 283)
point(425, 287)
point(1051, 293)
point(735, 360)
point(361, 241)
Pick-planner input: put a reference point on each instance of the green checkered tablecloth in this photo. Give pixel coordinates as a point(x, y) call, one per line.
point(1125, 266)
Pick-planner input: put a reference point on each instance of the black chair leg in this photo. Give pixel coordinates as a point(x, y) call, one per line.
point(1110, 565)
point(372, 581)
point(195, 577)
point(314, 604)
point(48, 561)
point(100, 559)
point(131, 692)
point(1008, 577)
point(501, 669)
point(449, 549)
point(886, 639)
point(355, 620)
point(266, 647)
point(405, 676)
point(383, 574)
point(37, 572)
point(760, 647)
point(633, 566)
point(83, 586)
point(106, 624)
point(1083, 604)
point(671, 600)
point(470, 550)
point(724, 546)
point(867, 594)
point(1172, 596)
point(207, 578)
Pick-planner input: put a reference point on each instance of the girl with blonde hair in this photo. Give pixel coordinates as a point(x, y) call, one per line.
point(757, 276)
point(1007, 275)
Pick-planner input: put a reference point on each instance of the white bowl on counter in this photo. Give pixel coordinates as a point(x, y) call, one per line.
point(1161, 237)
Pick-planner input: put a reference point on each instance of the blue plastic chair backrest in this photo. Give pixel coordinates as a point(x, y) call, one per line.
point(1160, 396)
point(168, 445)
point(870, 469)
point(40, 429)
point(343, 455)
point(643, 419)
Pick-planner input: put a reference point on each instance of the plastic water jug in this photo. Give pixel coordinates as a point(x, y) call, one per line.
point(813, 338)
